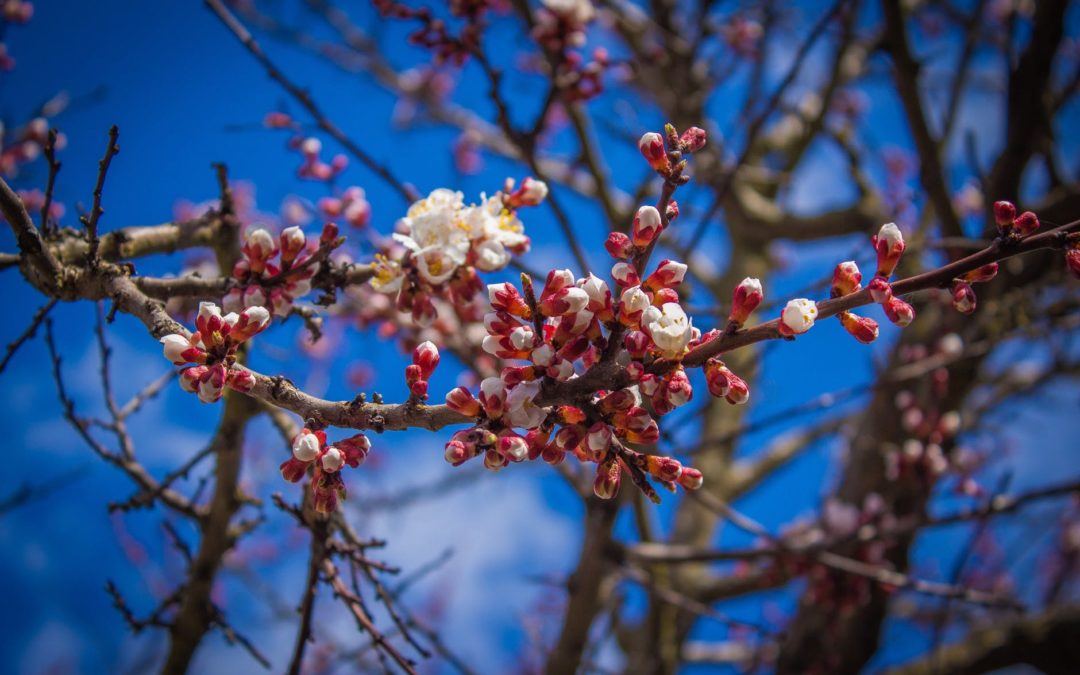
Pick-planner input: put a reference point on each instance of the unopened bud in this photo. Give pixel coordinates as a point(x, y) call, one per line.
point(863, 329)
point(748, 295)
point(963, 297)
point(651, 146)
point(608, 475)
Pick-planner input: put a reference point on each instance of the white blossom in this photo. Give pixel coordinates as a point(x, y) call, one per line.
point(799, 315)
point(521, 409)
point(671, 330)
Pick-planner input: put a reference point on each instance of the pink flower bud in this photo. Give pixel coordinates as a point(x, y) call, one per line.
point(599, 297)
point(426, 356)
point(678, 388)
point(846, 279)
point(355, 448)
point(329, 233)
point(1026, 223)
point(647, 225)
point(556, 281)
point(625, 275)
point(513, 447)
point(240, 380)
point(569, 437)
point(189, 378)
point(1072, 262)
point(963, 297)
point(311, 147)
point(258, 247)
point(332, 460)
point(863, 329)
point(899, 312)
point(457, 453)
point(212, 383)
point(668, 274)
point(564, 301)
point(175, 348)
point(208, 321)
point(618, 401)
point(632, 304)
point(250, 323)
point(649, 434)
point(493, 397)
point(293, 469)
point(292, 243)
point(637, 344)
point(619, 246)
point(277, 120)
point(690, 478)
point(672, 211)
point(307, 445)
point(505, 298)
point(1004, 215)
point(666, 469)
point(693, 139)
point(880, 290)
point(982, 274)
point(889, 244)
point(531, 193)
point(494, 460)
point(738, 393)
point(552, 455)
point(748, 295)
point(598, 441)
point(652, 149)
point(252, 296)
point(608, 476)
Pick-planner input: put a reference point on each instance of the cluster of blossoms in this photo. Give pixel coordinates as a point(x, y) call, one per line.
point(312, 166)
point(352, 206)
point(275, 274)
point(572, 325)
point(425, 360)
point(310, 451)
point(434, 33)
point(443, 242)
point(13, 12)
point(560, 24)
point(25, 144)
point(931, 428)
point(212, 348)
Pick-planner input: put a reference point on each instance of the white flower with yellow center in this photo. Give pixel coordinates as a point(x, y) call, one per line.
point(669, 328)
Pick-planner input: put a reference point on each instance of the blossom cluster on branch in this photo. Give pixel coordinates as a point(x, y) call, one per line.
point(442, 243)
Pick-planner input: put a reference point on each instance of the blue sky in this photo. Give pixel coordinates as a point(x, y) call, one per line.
point(184, 95)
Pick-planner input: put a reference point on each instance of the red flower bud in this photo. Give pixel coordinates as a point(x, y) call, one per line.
point(426, 356)
point(846, 279)
point(880, 290)
point(899, 312)
point(693, 139)
point(619, 246)
point(963, 297)
point(982, 274)
point(647, 225)
point(747, 297)
point(608, 475)
point(1004, 215)
point(863, 329)
point(690, 478)
point(652, 149)
point(1026, 223)
point(1072, 262)
point(666, 469)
